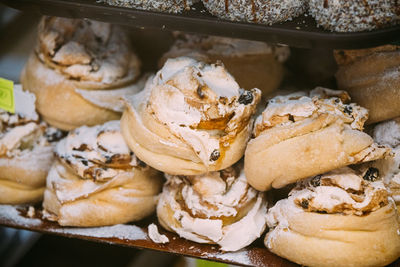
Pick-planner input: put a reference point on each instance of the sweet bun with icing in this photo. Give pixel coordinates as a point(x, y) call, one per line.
point(215, 208)
point(75, 62)
point(96, 180)
point(26, 151)
point(191, 118)
point(253, 64)
point(301, 135)
point(340, 218)
point(372, 78)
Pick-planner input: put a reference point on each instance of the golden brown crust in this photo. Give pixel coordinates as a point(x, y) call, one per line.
point(291, 139)
point(57, 101)
point(371, 76)
point(315, 239)
point(129, 196)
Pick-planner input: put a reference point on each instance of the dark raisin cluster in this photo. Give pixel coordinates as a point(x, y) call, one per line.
point(215, 155)
point(371, 175)
point(246, 97)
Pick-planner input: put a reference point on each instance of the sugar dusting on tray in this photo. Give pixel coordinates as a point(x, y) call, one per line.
point(121, 231)
point(240, 257)
point(11, 214)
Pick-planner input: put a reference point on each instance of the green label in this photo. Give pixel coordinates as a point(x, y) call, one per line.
point(203, 263)
point(7, 95)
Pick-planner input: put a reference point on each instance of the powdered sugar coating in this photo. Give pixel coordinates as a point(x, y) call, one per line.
point(256, 11)
point(97, 152)
point(171, 6)
point(86, 51)
point(353, 16)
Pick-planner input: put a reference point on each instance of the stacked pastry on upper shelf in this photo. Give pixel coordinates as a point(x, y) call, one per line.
point(78, 70)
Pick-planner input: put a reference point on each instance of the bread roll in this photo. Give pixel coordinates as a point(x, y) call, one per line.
point(190, 119)
point(301, 135)
point(215, 208)
point(97, 181)
point(372, 78)
point(72, 56)
point(341, 218)
point(26, 151)
point(253, 64)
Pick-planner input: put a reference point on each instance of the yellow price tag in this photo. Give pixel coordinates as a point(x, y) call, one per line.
point(203, 263)
point(7, 95)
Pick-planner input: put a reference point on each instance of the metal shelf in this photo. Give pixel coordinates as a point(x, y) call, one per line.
point(300, 32)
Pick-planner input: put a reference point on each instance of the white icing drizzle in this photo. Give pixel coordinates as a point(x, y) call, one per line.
point(98, 152)
point(210, 198)
point(185, 93)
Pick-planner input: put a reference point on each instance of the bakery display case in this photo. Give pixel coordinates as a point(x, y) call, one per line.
point(301, 34)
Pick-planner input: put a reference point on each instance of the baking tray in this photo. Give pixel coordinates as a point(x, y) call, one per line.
point(135, 236)
point(300, 32)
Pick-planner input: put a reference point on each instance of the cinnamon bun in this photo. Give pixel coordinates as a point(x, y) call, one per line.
point(216, 208)
point(73, 56)
point(190, 119)
point(340, 218)
point(96, 180)
point(300, 135)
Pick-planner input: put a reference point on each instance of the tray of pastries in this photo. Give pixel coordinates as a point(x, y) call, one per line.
point(300, 23)
point(210, 156)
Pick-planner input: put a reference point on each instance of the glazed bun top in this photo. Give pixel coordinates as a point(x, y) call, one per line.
point(22, 131)
point(98, 153)
point(299, 108)
point(200, 104)
point(86, 51)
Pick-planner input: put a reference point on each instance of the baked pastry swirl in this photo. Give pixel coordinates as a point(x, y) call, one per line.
point(217, 208)
point(26, 151)
point(340, 218)
point(96, 180)
point(253, 64)
point(191, 118)
point(71, 57)
point(301, 135)
point(353, 16)
point(256, 11)
point(371, 76)
point(171, 6)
